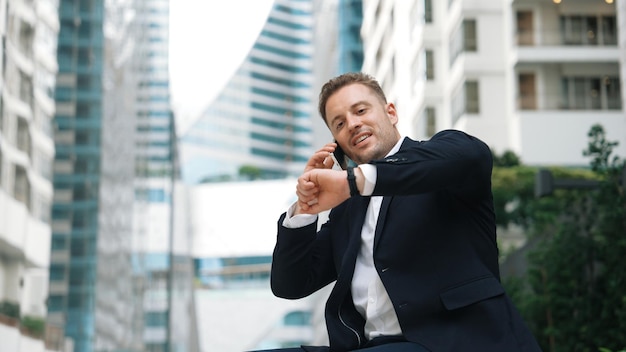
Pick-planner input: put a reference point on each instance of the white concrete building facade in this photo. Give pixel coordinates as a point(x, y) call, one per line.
point(29, 36)
point(529, 76)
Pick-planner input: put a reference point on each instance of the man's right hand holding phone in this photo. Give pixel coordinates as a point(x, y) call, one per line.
point(321, 159)
point(323, 184)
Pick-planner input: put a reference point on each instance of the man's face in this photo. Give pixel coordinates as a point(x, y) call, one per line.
point(363, 125)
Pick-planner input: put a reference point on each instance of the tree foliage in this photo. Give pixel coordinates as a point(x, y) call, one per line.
point(574, 293)
point(250, 172)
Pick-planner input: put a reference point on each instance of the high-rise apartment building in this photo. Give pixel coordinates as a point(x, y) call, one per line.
point(28, 60)
point(119, 273)
point(260, 125)
point(527, 76)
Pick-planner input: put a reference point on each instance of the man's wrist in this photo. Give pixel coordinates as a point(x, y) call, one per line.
point(354, 191)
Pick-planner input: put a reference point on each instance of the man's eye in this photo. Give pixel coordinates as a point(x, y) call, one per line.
point(361, 111)
point(339, 125)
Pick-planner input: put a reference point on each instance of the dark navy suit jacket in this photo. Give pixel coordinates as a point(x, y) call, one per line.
point(434, 249)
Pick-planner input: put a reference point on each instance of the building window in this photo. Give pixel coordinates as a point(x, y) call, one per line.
point(525, 35)
point(465, 100)
point(526, 87)
point(463, 39)
point(156, 319)
point(26, 36)
point(430, 118)
point(56, 303)
point(469, 35)
point(591, 93)
point(472, 103)
point(82, 111)
point(428, 11)
point(21, 188)
point(57, 272)
point(152, 195)
point(297, 318)
point(611, 85)
point(26, 88)
point(609, 30)
point(85, 57)
point(588, 30)
point(23, 136)
point(59, 243)
point(429, 58)
point(81, 247)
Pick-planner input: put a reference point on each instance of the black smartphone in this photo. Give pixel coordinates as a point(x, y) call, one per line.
point(341, 157)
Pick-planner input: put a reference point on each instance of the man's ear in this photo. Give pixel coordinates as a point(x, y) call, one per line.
point(392, 113)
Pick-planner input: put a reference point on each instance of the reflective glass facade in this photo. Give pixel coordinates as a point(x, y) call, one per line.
point(78, 123)
point(350, 43)
point(260, 125)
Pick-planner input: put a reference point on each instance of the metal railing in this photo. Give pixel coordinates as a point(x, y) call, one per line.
point(559, 38)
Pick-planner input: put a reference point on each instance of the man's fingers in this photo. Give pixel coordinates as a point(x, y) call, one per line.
point(306, 187)
point(319, 160)
point(307, 198)
point(307, 193)
point(329, 162)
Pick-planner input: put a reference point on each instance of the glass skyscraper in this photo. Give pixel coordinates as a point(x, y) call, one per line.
point(115, 246)
point(350, 43)
point(260, 125)
point(78, 122)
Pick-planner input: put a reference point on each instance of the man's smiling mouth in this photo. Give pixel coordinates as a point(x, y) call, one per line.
point(362, 138)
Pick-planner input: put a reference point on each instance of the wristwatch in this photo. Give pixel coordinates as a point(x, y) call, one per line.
point(354, 191)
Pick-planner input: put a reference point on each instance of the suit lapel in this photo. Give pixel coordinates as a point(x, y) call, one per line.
point(357, 211)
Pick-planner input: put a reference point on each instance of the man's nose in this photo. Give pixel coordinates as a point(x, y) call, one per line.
point(354, 121)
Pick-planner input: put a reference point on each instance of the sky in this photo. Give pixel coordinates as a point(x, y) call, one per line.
point(208, 41)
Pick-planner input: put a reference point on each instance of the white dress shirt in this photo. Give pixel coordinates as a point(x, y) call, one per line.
point(368, 292)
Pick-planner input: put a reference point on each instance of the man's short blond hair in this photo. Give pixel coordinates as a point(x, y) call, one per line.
point(334, 84)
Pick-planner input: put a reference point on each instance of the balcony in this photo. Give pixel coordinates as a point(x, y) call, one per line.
point(571, 92)
point(28, 334)
point(542, 47)
point(565, 38)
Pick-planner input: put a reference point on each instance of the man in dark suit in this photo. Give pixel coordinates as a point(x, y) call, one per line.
point(410, 240)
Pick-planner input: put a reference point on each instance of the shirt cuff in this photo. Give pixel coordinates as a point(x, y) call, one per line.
point(296, 221)
point(370, 174)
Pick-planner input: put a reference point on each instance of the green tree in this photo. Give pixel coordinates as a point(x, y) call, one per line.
point(507, 159)
point(250, 172)
point(574, 294)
